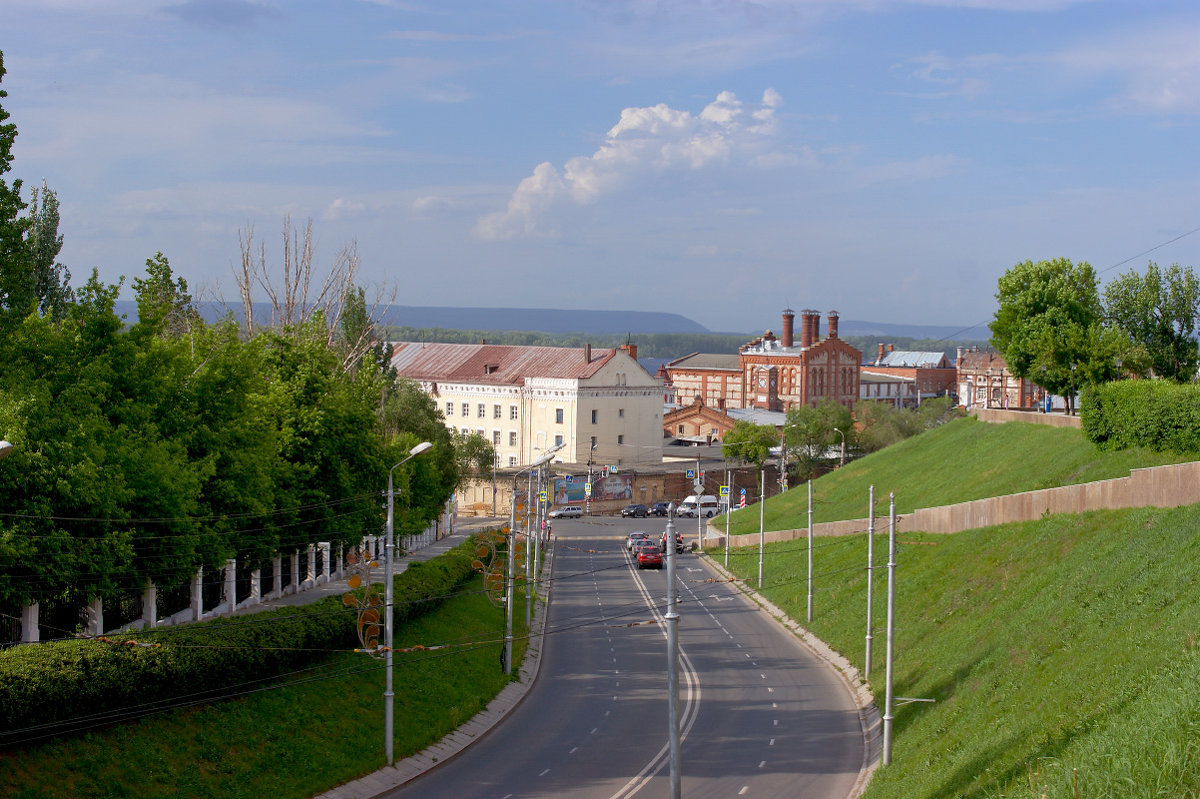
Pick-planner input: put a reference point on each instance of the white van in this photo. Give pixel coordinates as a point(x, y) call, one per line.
point(706, 505)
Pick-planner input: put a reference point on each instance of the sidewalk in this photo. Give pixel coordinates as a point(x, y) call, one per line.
point(391, 777)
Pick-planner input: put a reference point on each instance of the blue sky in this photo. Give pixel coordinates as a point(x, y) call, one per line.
point(715, 158)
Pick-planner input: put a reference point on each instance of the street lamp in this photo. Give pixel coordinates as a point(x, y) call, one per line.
point(1073, 389)
point(388, 694)
point(6, 449)
point(842, 462)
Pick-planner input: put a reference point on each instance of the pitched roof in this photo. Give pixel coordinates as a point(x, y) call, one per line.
point(493, 363)
point(914, 359)
point(704, 360)
point(976, 360)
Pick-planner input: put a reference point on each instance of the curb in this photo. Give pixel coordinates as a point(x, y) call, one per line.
point(868, 713)
point(440, 752)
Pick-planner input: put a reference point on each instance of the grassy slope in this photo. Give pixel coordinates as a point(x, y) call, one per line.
point(292, 741)
point(1062, 653)
point(963, 460)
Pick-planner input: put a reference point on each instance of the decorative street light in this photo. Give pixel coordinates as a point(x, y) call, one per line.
point(388, 694)
point(842, 462)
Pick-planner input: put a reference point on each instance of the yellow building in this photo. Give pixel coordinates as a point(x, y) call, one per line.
point(601, 405)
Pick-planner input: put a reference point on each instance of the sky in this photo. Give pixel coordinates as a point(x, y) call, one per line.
point(888, 159)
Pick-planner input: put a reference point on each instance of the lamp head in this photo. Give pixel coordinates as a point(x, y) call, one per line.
point(419, 448)
point(6, 449)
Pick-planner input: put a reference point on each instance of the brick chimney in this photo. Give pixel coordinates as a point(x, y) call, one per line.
point(814, 321)
point(806, 337)
point(789, 317)
point(891, 348)
point(833, 324)
point(587, 353)
point(630, 350)
point(879, 357)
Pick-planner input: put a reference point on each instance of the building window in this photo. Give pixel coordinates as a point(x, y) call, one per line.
point(595, 415)
point(495, 438)
point(558, 415)
point(593, 442)
point(512, 438)
point(466, 409)
point(479, 432)
point(620, 413)
point(558, 440)
point(482, 411)
point(466, 432)
point(495, 411)
point(680, 429)
point(449, 408)
point(620, 440)
point(512, 412)
point(512, 460)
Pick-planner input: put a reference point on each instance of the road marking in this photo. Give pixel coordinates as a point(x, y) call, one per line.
point(775, 722)
point(763, 763)
point(544, 773)
point(743, 790)
point(576, 749)
point(593, 732)
point(770, 690)
point(772, 743)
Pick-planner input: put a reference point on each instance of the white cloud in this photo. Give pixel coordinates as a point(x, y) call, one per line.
point(341, 208)
point(645, 144)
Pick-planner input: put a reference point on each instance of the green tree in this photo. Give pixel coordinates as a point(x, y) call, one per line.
point(16, 285)
point(1049, 320)
point(750, 442)
point(474, 453)
point(164, 305)
point(1159, 311)
point(51, 279)
point(811, 430)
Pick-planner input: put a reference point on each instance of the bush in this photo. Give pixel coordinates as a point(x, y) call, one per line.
point(1154, 414)
point(65, 684)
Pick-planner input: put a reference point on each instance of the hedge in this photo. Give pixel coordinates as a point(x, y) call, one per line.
point(1154, 414)
point(58, 686)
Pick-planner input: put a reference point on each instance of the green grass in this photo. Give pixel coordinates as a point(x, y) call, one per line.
point(963, 460)
point(297, 739)
point(1062, 653)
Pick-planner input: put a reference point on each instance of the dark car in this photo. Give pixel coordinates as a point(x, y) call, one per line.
point(659, 509)
point(633, 510)
point(649, 557)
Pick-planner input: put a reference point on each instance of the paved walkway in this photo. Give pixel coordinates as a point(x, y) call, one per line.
point(391, 777)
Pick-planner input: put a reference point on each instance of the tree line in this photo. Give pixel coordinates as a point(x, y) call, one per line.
point(143, 451)
point(1055, 326)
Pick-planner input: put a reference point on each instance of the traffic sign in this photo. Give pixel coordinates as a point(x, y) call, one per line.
point(541, 496)
point(690, 474)
point(570, 479)
point(587, 489)
point(724, 491)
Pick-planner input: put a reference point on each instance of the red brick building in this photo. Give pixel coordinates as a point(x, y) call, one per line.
point(930, 374)
point(774, 373)
point(985, 382)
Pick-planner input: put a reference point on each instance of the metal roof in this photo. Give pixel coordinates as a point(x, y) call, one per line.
point(758, 416)
point(911, 359)
point(493, 363)
point(705, 360)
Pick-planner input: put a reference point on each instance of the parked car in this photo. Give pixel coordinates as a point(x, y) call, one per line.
point(662, 542)
point(567, 512)
point(649, 557)
point(633, 510)
point(706, 505)
point(658, 509)
point(636, 535)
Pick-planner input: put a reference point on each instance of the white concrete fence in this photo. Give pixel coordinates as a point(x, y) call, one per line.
point(330, 569)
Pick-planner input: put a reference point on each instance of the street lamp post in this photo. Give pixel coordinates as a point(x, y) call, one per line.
point(1072, 389)
point(842, 461)
point(388, 627)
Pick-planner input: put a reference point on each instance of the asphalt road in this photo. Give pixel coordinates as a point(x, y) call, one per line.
point(759, 714)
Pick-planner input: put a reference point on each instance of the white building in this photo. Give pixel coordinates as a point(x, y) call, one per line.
point(600, 404)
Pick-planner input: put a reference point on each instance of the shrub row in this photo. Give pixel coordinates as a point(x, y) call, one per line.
point(1155, 414)
point(59, 686)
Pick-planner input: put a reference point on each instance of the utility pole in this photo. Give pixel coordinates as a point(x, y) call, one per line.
point(810, 553)
point(672, 620)
point(870, 581)
point(891, 618)
point(762, 502)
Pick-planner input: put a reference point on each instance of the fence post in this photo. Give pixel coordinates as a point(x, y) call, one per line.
point(294, 588)
point(276, 577)
point(256, 586)
point(95, 616)
point(326, 547)
point(230, 590)
point(310, 567)
point(150, 605)
point(198, 595)
point(30, 634)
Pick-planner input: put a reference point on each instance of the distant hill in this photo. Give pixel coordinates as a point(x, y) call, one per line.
point(553, 320)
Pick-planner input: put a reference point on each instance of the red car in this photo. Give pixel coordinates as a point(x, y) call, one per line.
point(649, 557)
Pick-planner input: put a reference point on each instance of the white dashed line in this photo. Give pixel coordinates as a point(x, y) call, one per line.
point(760, 765)
point(544, 773)
point(743, 790)
point(576, 749)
